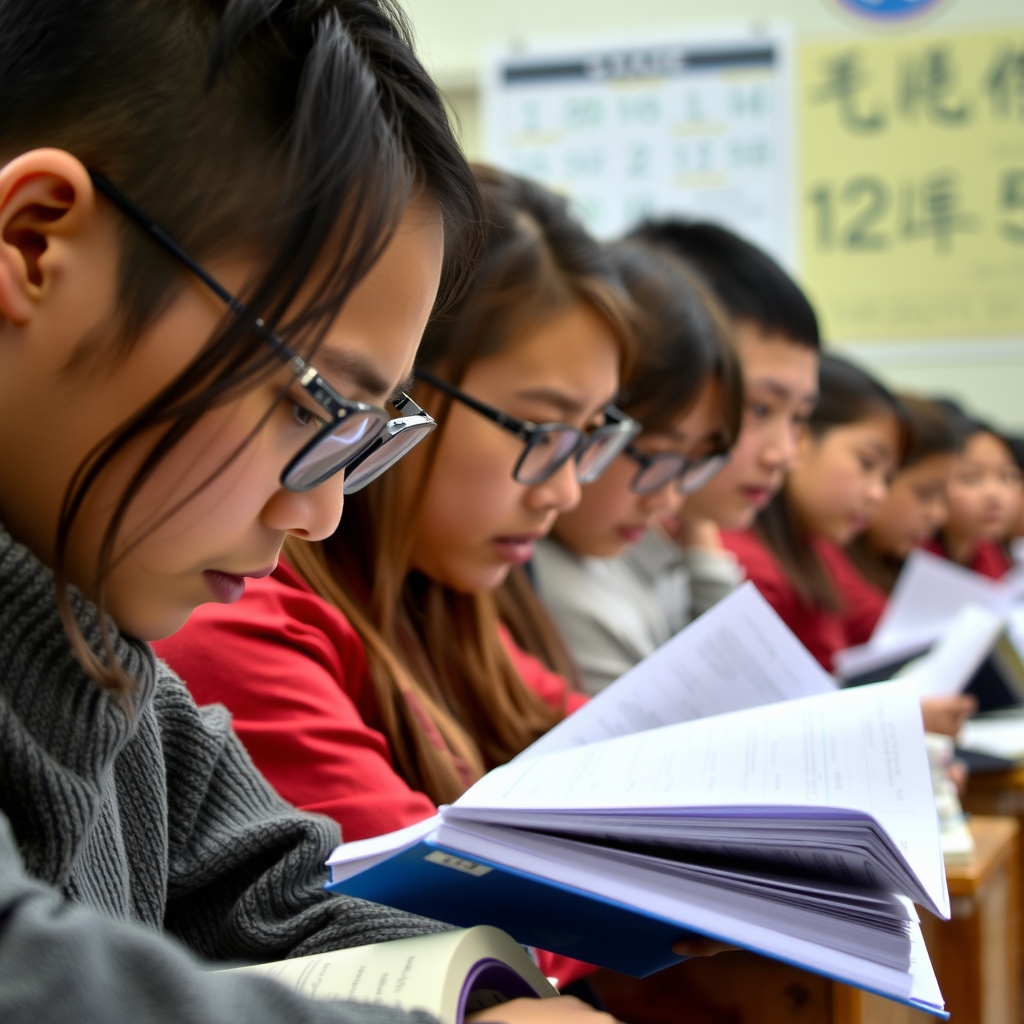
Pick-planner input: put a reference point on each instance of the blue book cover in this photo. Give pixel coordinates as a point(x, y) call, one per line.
point(442, 884)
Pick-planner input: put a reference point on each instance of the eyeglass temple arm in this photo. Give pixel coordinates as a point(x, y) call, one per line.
point(132, 212)
point(523, 428)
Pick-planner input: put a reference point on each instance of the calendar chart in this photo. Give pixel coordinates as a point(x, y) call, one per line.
point(700, 128)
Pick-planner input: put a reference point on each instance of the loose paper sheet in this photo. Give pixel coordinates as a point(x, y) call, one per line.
point(739, 654)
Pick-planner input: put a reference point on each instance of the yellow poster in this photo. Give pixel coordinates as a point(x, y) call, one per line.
point(911, 201)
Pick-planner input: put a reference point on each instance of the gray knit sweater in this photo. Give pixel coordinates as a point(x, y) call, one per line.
point(157, 819)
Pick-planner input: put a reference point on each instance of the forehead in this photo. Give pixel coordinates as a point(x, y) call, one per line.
point(775, 357)
point(987, 448)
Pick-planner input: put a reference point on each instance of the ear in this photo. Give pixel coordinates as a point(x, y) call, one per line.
point(46, 199)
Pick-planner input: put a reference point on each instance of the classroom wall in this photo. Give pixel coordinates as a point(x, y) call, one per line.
point(453, 36)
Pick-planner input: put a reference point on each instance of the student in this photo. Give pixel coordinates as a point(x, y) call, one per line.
point(160, 438)
point(984, 500)
point(686, 391)
point(793, 552)
point(917, 504)
point(777, 339)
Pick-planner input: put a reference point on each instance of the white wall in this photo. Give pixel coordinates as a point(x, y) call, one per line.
point(453, 35)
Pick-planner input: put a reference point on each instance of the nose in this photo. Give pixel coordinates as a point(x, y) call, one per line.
point(780, 445)
point(878, 487)
point(560, 492)
point(308, 515)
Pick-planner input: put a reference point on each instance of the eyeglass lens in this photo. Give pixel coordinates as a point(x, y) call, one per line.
point(701, 473)
point(333, 451)
point(603, 446)
point(550, 446)
point(389, 451)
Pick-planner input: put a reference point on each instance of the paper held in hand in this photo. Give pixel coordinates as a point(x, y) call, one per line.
point(801, 830)
point(448, 975)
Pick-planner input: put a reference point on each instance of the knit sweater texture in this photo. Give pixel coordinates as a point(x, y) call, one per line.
point(153, 814)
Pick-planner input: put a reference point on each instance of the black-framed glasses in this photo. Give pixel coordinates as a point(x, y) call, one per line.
point(549, 446)
point(354, 433)
point(660, 468)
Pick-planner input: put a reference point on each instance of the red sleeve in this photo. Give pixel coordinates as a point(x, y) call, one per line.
point(990, 560)
point(548, 685)
point(293, 674)
point(764, 572)
point(863, 601)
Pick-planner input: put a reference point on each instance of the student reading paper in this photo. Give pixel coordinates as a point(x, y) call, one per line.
point(198, 204)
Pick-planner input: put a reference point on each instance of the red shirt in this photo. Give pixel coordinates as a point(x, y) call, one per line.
point(989, 558)
point(822, 632)
point(293, 673)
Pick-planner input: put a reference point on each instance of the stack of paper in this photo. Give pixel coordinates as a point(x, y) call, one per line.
point(801, 830)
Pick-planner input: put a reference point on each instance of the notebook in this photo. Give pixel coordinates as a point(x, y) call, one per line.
point(449, 974)
point(802, 830)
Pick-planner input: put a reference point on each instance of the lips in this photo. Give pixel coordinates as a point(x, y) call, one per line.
point(757, 496)
point(631, 534)
point(228, 587)
point(517, 550)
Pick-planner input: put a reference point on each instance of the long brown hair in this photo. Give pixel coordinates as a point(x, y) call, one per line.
point(451, 701)
point(259, 125)
point(847, 395)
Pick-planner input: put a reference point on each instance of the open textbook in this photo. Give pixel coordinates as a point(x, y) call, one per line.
point(448, 975)
point(739, 654)
point(801, 830)
point(960, 619)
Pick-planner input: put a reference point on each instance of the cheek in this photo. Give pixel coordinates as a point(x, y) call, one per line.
point(226, 509)
point(469, 494)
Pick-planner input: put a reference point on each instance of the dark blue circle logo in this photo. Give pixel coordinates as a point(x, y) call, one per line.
point(889, 10)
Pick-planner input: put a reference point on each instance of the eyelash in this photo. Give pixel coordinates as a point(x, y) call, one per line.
point(303, 416)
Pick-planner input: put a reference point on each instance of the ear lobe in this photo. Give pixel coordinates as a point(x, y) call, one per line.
point(44, 196)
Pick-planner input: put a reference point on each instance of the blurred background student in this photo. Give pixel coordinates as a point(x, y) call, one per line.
point(917, 504)
point(984, 499)
point(686, 391)
point(793, 552)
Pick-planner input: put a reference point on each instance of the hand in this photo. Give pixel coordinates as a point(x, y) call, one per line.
point(700, 947)
point(563, 1010)
point(691, 531)
point(946, 714)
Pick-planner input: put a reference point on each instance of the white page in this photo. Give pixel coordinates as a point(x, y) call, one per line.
point(860, 749)
point(951, 664)
point(647, 891)
point(739, 654)
point(1000, 737)
point(928, 595)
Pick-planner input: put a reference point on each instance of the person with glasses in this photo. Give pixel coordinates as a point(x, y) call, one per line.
point(685, 390)
point(370, 676)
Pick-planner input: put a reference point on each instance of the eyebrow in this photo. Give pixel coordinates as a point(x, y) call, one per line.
point(356, 369)
point(566, 404)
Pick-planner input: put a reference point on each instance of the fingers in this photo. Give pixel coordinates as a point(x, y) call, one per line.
point(563, 1010)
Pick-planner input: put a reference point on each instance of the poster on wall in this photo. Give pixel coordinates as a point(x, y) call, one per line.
point(695, 125)
point(911, 185)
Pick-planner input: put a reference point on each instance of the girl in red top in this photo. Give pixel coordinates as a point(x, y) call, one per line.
point(793, 553)
point(984, 500)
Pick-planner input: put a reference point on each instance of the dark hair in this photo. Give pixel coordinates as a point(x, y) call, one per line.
point(298, 129)
point(683, 339)
point(1016, 445)
point(847, 395)
point(745, 279)
point(452, 702)
point(929, 431)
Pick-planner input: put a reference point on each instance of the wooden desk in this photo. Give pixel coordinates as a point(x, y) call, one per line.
point(975, 957)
